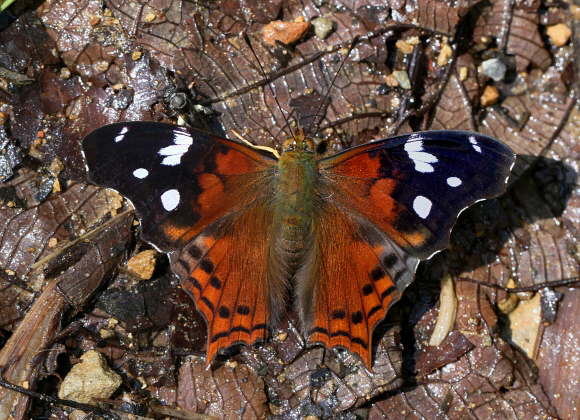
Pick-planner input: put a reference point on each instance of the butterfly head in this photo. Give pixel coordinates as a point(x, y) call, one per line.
point(298, 142)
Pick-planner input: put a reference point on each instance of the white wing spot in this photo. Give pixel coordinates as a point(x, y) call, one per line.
point(181, 141)
point(140, 173)
point(121, 134)
point(422, 206)
point(182, 138)
point(474, 144)
point(420, 158)
point(170, 199)
point(454, 181)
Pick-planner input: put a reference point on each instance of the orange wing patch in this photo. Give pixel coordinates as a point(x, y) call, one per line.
point(358, 275)
point(225, 270)
point(371, 195)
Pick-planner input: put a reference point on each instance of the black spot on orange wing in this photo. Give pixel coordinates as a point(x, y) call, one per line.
point(367, 289)
point(338, 314)
point(207, 266)
point(215, 282)
point(357, 317)
point(224, 312)
point(377, 273)
point(387, 292)
point(243, 310)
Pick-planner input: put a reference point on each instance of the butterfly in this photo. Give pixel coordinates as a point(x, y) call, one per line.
point(252, 236)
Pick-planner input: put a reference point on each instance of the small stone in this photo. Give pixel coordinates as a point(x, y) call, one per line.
point(150, 17)
point(118, 86)
point(524, 324)
point(143, 264)
point(490, 96)
point(90, 379)
point(56, 166)
point(463, 73)
point(56, 187)
point(494, 68)
point(559, 34)
point(52, 242)
point(64, 73)
point(402, 79)
point(136, 55)
point(405, 47)
point(104, 333)
point(284, 32)
point(94, 20)
point(10, 272)
point(322, 27)
point(282, 336)
point(102, 66)
point(231, 364)
point(444, 55)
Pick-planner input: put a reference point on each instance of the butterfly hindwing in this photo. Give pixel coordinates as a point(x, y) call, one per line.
point(414, 186)
point(225, 270)
point(351, 277)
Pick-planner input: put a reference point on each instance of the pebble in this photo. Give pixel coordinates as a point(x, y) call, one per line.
point(559, 34)
point(444, 55)
point(143, 264)
point(322, 27)
point(403, 79)
point(494, 68)
point(490, 96)
point(405, 47)
point(89, 379)
point(284, 32)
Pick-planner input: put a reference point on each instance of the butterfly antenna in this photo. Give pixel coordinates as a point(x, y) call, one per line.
point(352, 45)
point(247, 39)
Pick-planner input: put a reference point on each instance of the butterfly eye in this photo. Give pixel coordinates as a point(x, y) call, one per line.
point(289, 144)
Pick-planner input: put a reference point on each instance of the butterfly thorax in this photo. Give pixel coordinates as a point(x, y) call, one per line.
point(295, 201)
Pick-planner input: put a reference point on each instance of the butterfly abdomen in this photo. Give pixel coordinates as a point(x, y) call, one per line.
point(295, 203)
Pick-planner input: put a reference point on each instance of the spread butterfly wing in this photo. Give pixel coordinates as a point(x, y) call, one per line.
point(205, 200)
point(391, 203)
point(414, 186)
point(353, 273)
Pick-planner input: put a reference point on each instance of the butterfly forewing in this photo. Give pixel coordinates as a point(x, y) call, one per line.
point(205, 200)
point(179, 180)
point(414, 186)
